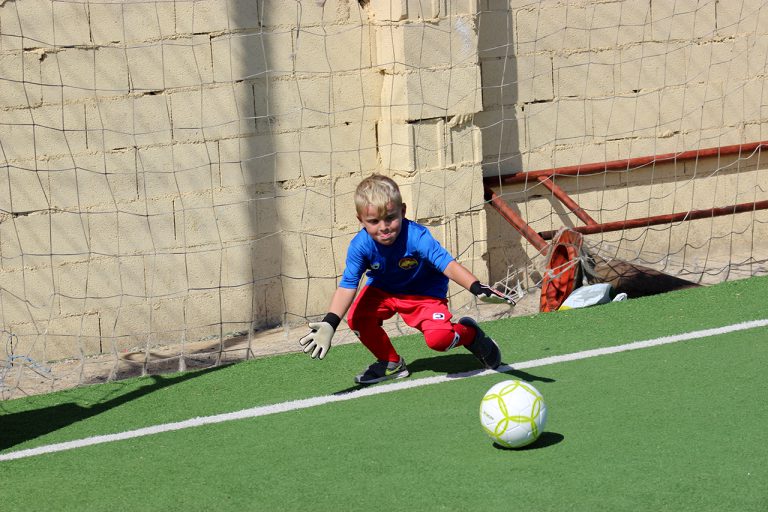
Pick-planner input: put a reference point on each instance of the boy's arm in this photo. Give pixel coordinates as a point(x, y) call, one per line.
point(318, 341)
point(461, 275)
point(341, 301)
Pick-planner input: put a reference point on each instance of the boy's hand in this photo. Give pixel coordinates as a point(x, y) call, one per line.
point(318, 341)
point(488, 294)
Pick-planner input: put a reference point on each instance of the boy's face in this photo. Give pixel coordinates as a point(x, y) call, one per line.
point(383, 228)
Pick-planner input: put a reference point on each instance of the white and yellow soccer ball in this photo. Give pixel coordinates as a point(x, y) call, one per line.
point(513, 413)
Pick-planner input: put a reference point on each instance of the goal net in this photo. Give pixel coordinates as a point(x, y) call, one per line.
point(176, 176)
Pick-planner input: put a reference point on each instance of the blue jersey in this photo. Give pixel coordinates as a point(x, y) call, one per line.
point(412, 265)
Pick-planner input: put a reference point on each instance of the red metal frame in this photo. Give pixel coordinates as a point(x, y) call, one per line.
point(626, 164)
point(513, 218)
point(538, 240)
point(663, 219)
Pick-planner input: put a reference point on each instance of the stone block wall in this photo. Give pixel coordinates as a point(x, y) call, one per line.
point(178, 171)
point(570, 83)
point(173, 171)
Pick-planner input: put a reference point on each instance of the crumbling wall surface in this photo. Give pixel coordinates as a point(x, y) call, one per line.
point(176, 171)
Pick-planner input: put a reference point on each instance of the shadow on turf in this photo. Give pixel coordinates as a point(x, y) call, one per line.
point(545, 439)
point(24, 426)
point(461, 365)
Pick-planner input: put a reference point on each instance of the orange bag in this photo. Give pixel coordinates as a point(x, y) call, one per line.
point(563, 269)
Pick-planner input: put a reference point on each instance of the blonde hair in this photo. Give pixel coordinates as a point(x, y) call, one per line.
point(377, 191)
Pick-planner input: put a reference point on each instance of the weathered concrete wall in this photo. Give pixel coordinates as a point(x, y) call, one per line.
point(173, 171)
point(589, 81)
point(568, 83)
point(178, 170)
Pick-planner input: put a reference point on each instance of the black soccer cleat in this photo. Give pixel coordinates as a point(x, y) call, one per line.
point(483, 347)
point(383, 370)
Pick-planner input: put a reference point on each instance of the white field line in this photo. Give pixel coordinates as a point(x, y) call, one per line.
point(294, 405)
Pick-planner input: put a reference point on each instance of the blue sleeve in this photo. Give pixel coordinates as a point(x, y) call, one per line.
point(356, 264)
point(435, 253)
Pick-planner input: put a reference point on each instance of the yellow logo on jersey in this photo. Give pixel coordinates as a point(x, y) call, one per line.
point(408, 263)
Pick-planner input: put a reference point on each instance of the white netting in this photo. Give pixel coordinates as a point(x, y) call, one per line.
point(176, 176)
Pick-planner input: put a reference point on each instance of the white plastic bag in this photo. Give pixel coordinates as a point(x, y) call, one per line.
point(589, 295)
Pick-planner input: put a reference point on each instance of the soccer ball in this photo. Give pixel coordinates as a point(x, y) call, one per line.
point(513, 413)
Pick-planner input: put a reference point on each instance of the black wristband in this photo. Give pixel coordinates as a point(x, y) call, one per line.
point(476, 288)
point(333, 319)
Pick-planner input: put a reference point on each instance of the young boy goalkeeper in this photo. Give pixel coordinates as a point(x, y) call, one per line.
point(408, 272)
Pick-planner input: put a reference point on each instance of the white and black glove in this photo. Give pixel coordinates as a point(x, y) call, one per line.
point(318, 341)
point(488, 294)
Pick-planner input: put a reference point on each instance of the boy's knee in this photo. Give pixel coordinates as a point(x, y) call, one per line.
point(441, 339)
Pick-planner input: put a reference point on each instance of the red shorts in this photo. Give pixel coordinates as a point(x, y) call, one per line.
point(419, 311)
point(430, 315)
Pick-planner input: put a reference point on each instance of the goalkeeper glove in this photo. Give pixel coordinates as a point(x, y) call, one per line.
point(318, 341)
point(488, 294)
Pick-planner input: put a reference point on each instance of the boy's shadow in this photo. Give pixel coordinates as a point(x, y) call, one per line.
point(458, 365)
point(466, 364)
point(18, 427)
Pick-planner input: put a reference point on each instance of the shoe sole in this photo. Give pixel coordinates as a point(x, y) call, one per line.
point(399, 375)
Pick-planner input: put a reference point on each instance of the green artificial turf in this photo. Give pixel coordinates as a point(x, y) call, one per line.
point(677, 427)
